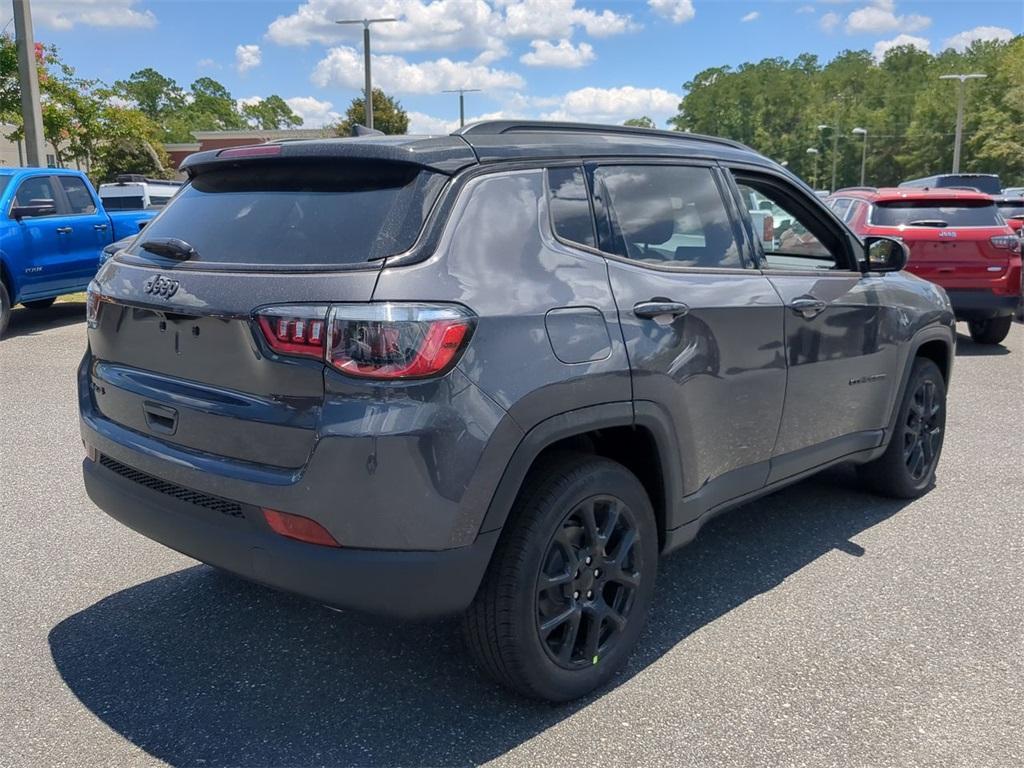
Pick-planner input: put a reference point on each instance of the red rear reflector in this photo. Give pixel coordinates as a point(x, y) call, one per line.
point(299, 528)
point(255, 150)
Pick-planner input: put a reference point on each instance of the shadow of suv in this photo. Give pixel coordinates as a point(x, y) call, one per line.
point(496, 373)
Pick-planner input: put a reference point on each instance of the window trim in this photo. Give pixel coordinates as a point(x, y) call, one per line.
point(60, 203)
point(812, 205)
point(748, 262)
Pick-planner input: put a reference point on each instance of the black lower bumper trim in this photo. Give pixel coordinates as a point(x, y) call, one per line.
point(404, 584)
point(982, 304)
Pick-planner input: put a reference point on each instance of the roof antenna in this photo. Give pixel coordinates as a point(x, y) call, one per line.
point(362, 130)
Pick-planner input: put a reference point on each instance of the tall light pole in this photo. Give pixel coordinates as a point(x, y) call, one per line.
point(462, 102)
point(366, 61)
point(28, 79)
point(960, 113)
point(863, 133)
point(813, 151)
point(835, 150)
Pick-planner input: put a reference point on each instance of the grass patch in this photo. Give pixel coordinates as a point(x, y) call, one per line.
point(72, 298)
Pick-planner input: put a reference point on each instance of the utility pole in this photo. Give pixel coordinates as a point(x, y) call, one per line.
point(835, 150)
point(813, 151)
point(863, 133)
point(366, 61)
point(462, 102)
point(962, 79)
point(28, 80)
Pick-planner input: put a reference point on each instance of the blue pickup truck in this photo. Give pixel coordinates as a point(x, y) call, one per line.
point(53, 229)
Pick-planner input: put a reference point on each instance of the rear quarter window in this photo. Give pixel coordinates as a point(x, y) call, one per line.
point(935, 213)
point(291, 214)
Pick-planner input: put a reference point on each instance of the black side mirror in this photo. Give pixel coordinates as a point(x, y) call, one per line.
point(884, 254)
point(33, 209)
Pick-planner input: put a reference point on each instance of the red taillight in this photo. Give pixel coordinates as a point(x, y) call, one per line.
point(1006, 242)
point(295, 330)
point(256, 150)
point(299, 528)
point(768, 229)
point(397, 340)
point(389, 340)
point(93, 305)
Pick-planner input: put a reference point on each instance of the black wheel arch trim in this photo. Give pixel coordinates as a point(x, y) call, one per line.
point(943, 333)
point(643, 414)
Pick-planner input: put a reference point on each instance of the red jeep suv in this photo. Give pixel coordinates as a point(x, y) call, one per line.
point(957, 239)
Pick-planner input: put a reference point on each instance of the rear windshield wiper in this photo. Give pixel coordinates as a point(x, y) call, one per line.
point(171, 248)
point(923, 223)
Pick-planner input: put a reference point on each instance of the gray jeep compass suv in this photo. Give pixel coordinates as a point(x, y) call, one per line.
point(496, 373)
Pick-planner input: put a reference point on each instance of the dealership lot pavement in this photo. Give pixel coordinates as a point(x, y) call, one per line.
point(820, 626)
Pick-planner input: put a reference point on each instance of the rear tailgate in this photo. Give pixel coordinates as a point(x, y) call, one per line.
point(176, 353)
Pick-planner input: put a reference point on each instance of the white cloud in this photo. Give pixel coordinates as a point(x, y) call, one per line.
point(343, 66)
point(428, 124)
point(314, 112)
point(805, 9)
point(963, 40)
point(613, 105)
point(247, 57)
point(882, 47)
point(678, 11)
point(449, 25)
point(880, 17)
point(829, 22)
point(564, 55)
point(752, 16)
point(66, 14)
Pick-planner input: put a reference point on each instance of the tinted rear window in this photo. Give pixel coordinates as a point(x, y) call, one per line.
point(1010, 210)
point(288, 214)
point(122, 203)
point(936, 213)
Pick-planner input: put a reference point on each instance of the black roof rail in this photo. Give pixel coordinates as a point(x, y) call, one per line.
point(497, 127)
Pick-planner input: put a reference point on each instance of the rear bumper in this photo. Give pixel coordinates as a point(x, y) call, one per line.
point(981, 304)
point(404, 584)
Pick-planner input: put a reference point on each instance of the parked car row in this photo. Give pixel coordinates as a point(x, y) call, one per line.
point(53, 229)
point(958, 237)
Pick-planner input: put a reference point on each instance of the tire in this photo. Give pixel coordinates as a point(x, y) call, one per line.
point(991, 331)
point(907, 468)
point(548, 535)
point(5, 309)
point(39, 304)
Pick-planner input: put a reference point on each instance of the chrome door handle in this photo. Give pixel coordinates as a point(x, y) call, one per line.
point(808, 307)
point(64, 230)
point(651, 309)
point(100, 227)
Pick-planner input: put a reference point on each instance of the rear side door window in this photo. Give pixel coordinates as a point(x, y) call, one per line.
point(79, 197)
point(666, 216)
point(571, 217)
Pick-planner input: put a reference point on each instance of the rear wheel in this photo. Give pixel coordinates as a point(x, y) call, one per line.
point(39, 304)
point(5, 308)
point(991, 331)
point(907, 468)
point(569, 587)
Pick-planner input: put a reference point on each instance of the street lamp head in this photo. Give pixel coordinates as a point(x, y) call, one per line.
point(963, 78)
point(812, 151)
point(860, 131)
point(824, 127)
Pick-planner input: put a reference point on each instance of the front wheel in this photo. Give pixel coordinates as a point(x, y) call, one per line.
point(39, 303)
point(571, 581)
point(5, 309)
point(907, 468)
point(991, 331)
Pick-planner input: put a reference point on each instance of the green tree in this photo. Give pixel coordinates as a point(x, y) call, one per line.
point(271, 113)
point(640, 122)
point(155, 95)
point(388, 115)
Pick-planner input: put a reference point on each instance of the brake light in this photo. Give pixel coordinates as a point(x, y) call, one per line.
point(255, 150)
point(299, 528)
point(768, 229)
point(389, 340)
point(1006, 242)
point(93, 305)
point(396, 340)
point(295, 330)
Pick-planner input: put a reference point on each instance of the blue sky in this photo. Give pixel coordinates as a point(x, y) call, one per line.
point(572, 59)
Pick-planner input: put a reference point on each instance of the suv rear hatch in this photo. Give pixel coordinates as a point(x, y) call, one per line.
point(177, 350)
point(957, 242)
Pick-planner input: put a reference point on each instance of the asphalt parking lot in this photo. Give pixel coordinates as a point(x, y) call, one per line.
point(818, 627)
